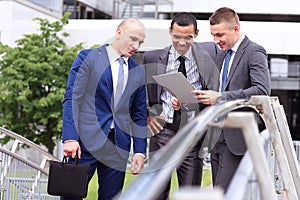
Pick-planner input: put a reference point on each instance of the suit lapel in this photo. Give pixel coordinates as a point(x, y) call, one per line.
point(131, 78)
point(200, 60)
point(162, 68)
point(105, 64)
point(163, 61)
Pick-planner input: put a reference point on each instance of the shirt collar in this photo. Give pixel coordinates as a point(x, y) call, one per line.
point(187, 55)
point(237, 44)
point(113, 55)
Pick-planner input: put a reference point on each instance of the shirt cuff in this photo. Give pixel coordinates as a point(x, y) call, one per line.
point(140, 154)
point(66, 141)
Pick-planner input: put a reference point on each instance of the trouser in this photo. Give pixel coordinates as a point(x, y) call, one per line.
point(224, 164)
point(189, 173)
point(111, 168)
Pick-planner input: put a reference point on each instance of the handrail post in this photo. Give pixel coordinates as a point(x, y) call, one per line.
point(247, 123)
point(287, 142)
point(280, 153)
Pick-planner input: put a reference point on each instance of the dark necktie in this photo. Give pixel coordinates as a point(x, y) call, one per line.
point(225, 69)
point(178, 117)
point(120, 83)
point(181, 67)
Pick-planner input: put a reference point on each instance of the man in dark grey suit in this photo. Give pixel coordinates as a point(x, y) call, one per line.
point(247, 74)
point(200, 71)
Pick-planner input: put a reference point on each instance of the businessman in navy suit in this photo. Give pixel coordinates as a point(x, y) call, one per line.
point(97, 126)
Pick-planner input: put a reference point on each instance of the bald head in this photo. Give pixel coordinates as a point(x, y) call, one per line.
point(131, 23)
point(129, 36)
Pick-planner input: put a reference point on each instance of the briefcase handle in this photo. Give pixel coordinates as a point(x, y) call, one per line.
point(64, 160)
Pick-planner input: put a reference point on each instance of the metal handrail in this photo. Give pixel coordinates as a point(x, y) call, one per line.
point(20, 158)
point(238, 185)
point(165, 160)
point(171, 156)
point(28, 142)
point(247, 123)
point(20, 176)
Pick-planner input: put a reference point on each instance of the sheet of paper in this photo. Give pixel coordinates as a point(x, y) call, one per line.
point(177, 85)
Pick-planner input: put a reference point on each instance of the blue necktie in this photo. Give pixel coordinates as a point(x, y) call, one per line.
point(120, 83)
point(225, 69)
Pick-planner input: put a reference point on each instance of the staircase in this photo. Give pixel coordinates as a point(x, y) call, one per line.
point(21, 177)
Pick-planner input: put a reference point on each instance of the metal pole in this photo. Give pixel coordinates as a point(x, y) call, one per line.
point(114, 9)
point(280, 153)
point(247, 123)
point(156, 9)
point(287, 142)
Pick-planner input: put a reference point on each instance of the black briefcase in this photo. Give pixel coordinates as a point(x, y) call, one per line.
point(68, 179)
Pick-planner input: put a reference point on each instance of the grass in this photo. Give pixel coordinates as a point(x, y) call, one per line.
point(93, 185)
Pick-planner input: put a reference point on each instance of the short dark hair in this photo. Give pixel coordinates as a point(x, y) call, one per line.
point(224, 15)
point(184, 19)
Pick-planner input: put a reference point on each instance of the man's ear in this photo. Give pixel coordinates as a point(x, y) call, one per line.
point(170, 31)
point(196, 33)
point(236, 28)
point(118, 32)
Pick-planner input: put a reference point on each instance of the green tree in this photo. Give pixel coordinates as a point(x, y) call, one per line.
point(33, 77)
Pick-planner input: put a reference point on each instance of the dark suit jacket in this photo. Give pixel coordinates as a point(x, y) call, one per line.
point(249, 75)
point(88, 110)
point(155, 62)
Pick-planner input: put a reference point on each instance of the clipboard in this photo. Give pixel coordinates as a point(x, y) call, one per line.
point(177, 85)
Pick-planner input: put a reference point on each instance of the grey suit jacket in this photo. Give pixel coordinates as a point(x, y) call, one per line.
point(155, 63)
point(249, 75)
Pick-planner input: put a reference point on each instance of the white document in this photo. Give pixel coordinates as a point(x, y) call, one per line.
point(177, 85)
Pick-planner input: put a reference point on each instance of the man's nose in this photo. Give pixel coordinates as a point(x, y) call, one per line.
point(136, 45)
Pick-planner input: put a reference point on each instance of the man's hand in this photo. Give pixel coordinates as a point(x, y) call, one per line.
point(153, 124)
point(260, 109)
point(175, 104)
point(207, 97)
point(71, 147)
point(137, 164)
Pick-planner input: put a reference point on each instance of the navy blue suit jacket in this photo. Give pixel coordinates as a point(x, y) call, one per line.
point(88, 110)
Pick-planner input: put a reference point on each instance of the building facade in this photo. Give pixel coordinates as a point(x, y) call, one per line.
point(274, 24)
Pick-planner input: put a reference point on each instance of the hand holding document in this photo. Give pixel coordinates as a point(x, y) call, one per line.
point(177, 85)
